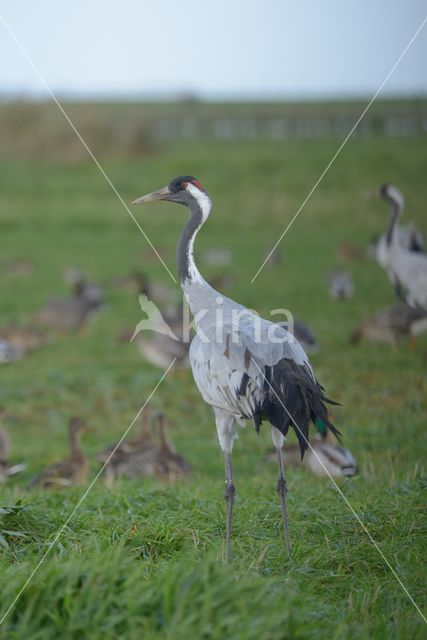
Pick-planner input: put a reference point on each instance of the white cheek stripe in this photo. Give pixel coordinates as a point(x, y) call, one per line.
point(202, 198)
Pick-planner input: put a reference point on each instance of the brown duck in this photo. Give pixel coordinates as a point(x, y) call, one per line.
point(6, 469)
point(71, 313)
point(24, 339)
point(169, 465)
point(141, 442)
point(147, 456)
point(392, 324)
point(71, 471)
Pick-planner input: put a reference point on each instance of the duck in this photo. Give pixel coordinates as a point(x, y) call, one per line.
point(21, 340)
point(130, 458)
point(325, 456)
point(139, 282)
point(9, 353)
point(160, 336)
point(302, 332)
point(114, 452)
point(391, 324)
point(152, 455)
point(88, 292)
point(71, 471)
point(273, 257)
point(170, 465)
point(305, 337)
point(340, 285)
point(6, 469)
point(71, 313)
point(18, 267)
point(131, 463)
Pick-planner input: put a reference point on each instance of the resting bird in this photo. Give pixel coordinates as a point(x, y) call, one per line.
point(22, 340)
point(6, 469)
point(151, 454)
point(305, 337)
point(170, 465)
point(407, 269)
point(9, 353)
point(143, 440)
point(340, 285)
point(391, 324)
point(71, 471)
point(325, 459)
point(71, 313)
point(245, 367)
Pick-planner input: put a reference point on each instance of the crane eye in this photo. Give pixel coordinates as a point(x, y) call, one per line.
point(184, 185)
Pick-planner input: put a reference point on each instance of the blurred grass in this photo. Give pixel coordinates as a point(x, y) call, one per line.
point(144, 560)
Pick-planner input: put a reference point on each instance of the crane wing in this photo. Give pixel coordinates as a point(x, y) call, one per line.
point(258, 370)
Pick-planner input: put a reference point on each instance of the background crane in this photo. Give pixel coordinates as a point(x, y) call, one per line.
point(406, 266)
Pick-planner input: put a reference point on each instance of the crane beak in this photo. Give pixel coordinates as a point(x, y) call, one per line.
point(161, 194)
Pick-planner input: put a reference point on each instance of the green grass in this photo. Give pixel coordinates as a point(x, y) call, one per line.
point(145, 559)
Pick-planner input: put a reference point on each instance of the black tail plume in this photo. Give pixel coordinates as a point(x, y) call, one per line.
point(293, 397)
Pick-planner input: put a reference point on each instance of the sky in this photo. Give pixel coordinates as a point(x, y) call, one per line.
point(213, 49)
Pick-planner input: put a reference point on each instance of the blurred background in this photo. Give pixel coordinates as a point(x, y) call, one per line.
point(254, 99)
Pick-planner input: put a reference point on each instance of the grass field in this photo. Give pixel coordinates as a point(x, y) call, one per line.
point(144, 560)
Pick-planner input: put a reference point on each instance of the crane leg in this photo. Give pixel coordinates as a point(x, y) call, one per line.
point(225, 425)
point(229, 494)
point(278, 441)
point(282, 491)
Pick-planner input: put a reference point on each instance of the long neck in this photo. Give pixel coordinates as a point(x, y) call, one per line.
point(187, 269)
point(396, 210)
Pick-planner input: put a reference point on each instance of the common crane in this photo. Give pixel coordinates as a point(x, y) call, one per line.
point(245, 367)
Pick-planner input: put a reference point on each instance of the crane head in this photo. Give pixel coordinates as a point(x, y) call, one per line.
point(183, 190)
point(392, 194)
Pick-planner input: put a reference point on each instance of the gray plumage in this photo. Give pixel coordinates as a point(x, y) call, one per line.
point(245, 367)
point(9, 352)
point(407, 269)
point(340, 285)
